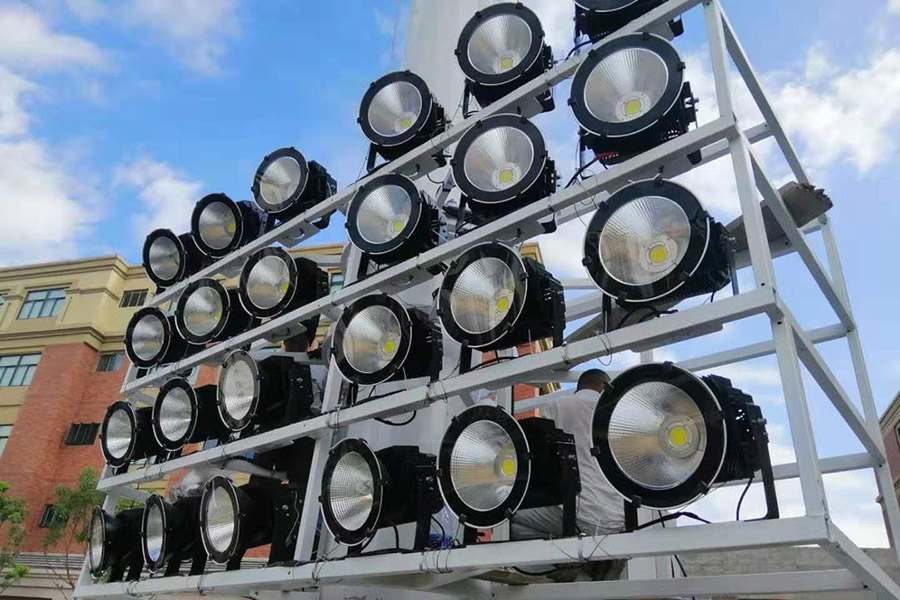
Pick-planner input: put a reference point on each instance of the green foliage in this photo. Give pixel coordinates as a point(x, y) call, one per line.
point(73, 511)
point(12, 515)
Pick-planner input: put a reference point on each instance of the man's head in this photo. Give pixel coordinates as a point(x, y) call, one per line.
point(593, 379)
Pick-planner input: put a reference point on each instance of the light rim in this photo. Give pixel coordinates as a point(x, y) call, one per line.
point(592, 5)
point(710, 465)
point(288, 152)
point(145, 257)
point(167, 336)
point(529, 178)
point(352, 537)
point(487, 250)
point(484, 519)
point(232, 423)
point(399, 359)
point(154, 566)
point(415, 129)
point(645, 41)
point(195, 225)
point(698, 244)
point(415, 215)
point(132, 446)
point(98, 570)
point(173, 445)
point(288, 297)
point(216, 556)
point(482, 16)
point(180, 324)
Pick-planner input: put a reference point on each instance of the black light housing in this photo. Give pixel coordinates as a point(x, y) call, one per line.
point(398, 113)
point(630, 96)
point(219, 225)
point(502, 48)
point(491, 298)
point(286, 184)
point(502, 164)
point(598, 18)
point(126, 434)
point(491, 465)
point(169, 258)
point(363, 491)
point(152, 338)
point(170, 534)
point(653, 240)
point(186, 415)
point(663, 436)
point(390, 220)
point(258, 395)
point(207, 312)
point(377, 339)
point(114, 544)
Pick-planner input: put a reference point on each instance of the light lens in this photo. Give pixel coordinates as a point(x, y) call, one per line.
point(119, 434)
point(221, 515)
point(203, 311)
point(499, 44)
point(395, 109)
point(280, 181)
point(657, 435)
point(625, 85)
point(175, 414)
point(154, 532)
point(97, 539)
point(218, 225)
point(268, 282)
point(482, 295)
point(238, 386)
point(351, 491)
point(483, 465)
point(164, 258)
point(498, 159)
point(383, 214)
point(148, 337)
point(372, 339)
point(644, 240)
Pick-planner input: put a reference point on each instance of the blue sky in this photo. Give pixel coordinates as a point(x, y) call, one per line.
point(115, 117)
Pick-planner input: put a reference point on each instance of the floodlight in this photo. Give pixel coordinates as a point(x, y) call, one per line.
point(390, 220)
point(186, 415)
point(273, 283)
point(169, 258)
point(651, 240)
point(256, 395)
point(286, 184)
point(490, 465)
point(502, 48)
point(599, 18)
point(630, 96)
point(127, 434)
point(114, 544)
point(398, 113)
point(491, 298)
point(363, 491)
point(377, 339)
point(170, 534)
point(502, 164)
point(219, 225)
point(207, 312)
point(152, 338)
point(663, 436)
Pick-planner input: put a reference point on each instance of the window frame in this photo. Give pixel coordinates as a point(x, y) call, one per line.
point(18, 374)
point(331, 281)
point(82, 434)
point(5, 433)
point(36, 303)
point(103, 362)
point(133, 298)
point(48, 516)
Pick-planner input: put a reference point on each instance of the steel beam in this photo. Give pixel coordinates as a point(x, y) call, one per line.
point(843, 550)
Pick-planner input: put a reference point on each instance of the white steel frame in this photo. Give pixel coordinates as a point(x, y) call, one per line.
point(444, 573)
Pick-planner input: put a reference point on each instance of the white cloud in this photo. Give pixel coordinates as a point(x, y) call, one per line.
point(13, 118)
point(194, 32)
point(894, 6)
point(557, 20)
point(26, 42)
point(166, 196)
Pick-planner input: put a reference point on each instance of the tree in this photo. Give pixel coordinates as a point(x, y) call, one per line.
point(69, 527)
point(12, 515)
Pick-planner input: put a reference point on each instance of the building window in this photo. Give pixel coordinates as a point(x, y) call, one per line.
point(44, 303)
point(48, 516)
point(82, 434)
point(5, 431)
point(18, 369)
point(133, 298)
point(110, 361)
point(1, 300)
point(337, 282)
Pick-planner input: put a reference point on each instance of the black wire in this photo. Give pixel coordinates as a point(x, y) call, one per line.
point(401, 424)
point(537, 574)
point(428, 177)
point(582, 170)
point(575, 48)
point(672, 517)
point(680, 564)
point(737, 513)
point(493, 361)
point(396, 536)
point(441, 525)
